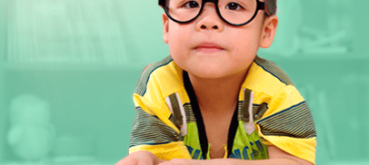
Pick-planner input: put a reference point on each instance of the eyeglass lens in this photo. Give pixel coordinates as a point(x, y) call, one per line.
point(233, 11)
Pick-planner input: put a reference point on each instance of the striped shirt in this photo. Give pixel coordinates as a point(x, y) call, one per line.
point(279, 115)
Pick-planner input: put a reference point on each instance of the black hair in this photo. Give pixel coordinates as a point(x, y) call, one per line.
point(271, 6)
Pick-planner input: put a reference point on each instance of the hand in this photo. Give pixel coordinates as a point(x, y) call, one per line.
point(140, 158)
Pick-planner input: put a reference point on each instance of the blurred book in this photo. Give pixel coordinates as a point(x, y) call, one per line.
point(66, 31)
point(328, 31)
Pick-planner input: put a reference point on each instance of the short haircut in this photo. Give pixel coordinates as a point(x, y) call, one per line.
point(271, 6)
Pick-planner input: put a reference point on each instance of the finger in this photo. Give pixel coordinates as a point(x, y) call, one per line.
point(145, 162)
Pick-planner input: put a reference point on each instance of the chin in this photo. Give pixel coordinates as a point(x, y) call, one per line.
point(216, 71)
point(209, 73)
point(208, 69)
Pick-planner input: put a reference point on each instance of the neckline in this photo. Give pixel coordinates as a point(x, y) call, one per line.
point(200, 122)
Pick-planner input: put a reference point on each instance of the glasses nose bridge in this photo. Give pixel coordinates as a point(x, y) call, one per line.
point(215, 2)
point(211, 1)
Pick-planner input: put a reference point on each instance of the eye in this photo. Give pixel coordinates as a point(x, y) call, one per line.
point(234, 6)
point(190, 4)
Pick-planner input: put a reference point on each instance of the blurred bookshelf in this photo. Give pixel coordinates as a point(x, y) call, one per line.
point(66, 34)
point(75, 55)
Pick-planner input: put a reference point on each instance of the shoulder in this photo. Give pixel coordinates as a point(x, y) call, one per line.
point(273, 70)
point(163, 76)
point(266, 77)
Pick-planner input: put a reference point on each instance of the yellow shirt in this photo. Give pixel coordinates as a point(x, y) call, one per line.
point(286, 123)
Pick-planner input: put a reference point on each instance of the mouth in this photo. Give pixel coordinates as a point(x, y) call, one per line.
point(208, 47)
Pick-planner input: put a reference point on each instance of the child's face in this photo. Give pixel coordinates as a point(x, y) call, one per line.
point(210, 48)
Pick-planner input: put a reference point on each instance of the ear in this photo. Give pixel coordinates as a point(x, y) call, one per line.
point(165, 27)
point(268, 31)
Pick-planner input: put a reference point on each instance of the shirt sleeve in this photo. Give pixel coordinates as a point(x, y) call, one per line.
point(153, 130)
point(288, 124)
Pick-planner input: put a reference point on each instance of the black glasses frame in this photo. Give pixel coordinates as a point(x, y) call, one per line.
point(260, 6)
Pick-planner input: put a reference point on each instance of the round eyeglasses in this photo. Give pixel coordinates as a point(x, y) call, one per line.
point(233, 12)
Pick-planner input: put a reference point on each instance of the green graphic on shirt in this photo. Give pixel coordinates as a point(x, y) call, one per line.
point(246, 147)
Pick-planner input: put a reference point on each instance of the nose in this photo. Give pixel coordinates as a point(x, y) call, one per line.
point(209, 19)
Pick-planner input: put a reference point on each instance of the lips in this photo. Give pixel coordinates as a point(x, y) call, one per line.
point(208, 45)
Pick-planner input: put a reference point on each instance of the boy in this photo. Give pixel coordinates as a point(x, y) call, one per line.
point(213, 97)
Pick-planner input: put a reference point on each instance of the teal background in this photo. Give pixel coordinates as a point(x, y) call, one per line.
point(84, 59)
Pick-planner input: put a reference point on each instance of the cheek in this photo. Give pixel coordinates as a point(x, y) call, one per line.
point(178, 42)
point(244, 45)
point(175, 43)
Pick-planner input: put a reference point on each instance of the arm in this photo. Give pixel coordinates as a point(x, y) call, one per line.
point(276, 157)
point(152, 141)
point(153, 129)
